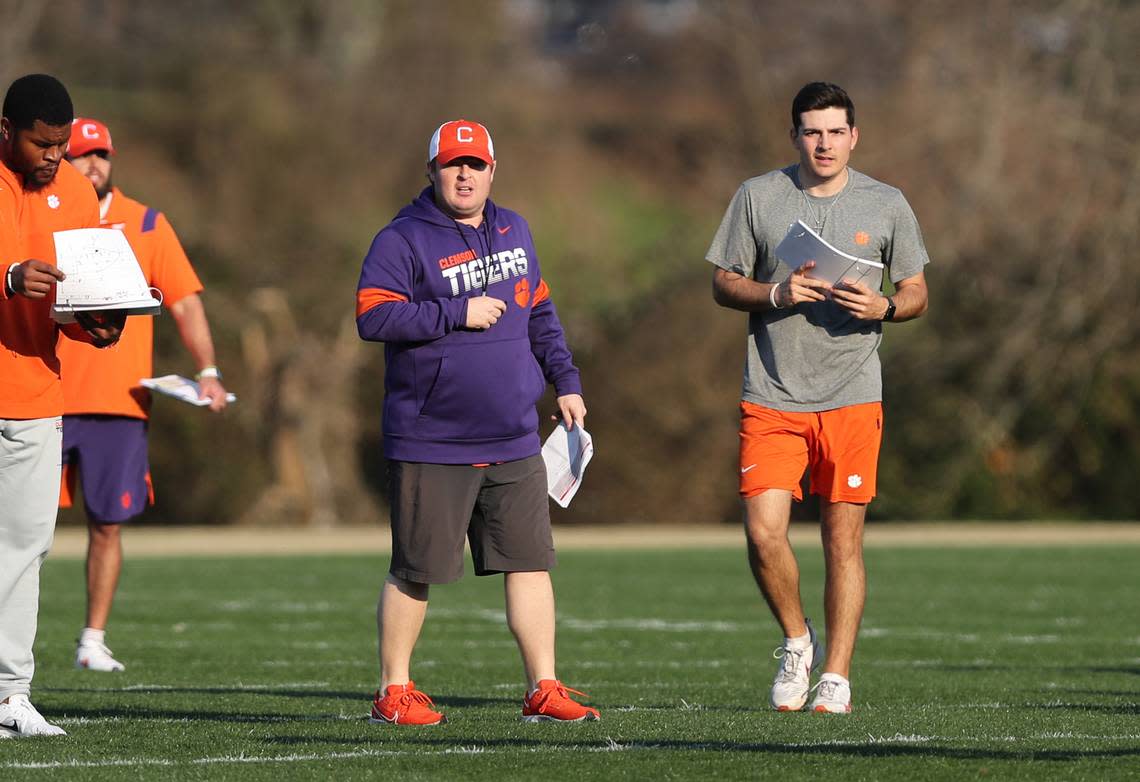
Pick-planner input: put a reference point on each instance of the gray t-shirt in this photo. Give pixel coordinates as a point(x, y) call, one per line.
point(815, 356)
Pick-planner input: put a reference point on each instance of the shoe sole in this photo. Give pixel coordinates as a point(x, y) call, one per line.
point(825, 710)
point(99, 670)
point(8, 734)
point(789, 706)
point(85, 665)
point(548, 718)
point(442, 720)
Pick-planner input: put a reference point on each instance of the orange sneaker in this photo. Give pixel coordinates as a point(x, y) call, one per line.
point(552, 703)
point(403, 704)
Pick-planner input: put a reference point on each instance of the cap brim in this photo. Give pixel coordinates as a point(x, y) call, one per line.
point(81, 150)
point(446, 157)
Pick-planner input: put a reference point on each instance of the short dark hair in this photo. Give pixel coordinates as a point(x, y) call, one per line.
point(38, 96)
point(821, 95)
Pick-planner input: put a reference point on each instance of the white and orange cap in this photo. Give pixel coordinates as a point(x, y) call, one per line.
point(461, 138)
point(88, 135)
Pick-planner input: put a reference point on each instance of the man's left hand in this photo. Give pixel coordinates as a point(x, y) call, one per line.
point(105, 326)
point(859, 300)
point(211, 388)
point(573, 409)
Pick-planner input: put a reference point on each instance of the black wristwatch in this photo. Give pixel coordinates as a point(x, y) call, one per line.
point(890, 314)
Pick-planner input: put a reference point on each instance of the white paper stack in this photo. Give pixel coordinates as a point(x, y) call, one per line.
point(180, 388)
point(566, 454)
point(802, 244)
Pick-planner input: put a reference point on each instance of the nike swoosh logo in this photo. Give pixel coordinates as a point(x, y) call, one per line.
point(12, 726)
point(746, 469)
point(504, 229)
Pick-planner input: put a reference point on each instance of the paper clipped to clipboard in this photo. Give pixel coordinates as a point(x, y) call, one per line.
point(102, 274)
point(802, 244)
point(566, 454)
point(180, 388)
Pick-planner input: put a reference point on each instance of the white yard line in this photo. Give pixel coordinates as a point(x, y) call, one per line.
point(146, 541)
point(474, 749)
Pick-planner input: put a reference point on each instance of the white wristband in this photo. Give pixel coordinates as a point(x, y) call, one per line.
point(772, 297)
point(8, 279)
point(209, 372)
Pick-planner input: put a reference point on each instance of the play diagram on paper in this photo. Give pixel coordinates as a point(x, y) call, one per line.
point(102, 273)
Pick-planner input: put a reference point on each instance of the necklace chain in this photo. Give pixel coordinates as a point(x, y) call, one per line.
point(821, 219)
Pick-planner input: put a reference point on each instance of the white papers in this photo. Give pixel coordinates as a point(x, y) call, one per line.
point(802, 244)
point(180, 388)
point(102, 274)
point(566, 454)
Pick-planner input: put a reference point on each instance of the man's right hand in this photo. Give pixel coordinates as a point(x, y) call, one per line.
point(484, 311)
point(800, 287)
point(34, 279)
point(104, 326)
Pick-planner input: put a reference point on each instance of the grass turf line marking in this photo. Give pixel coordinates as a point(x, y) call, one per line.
point(141, 687)
point(899, 738)
point(905, 663)
point(609, 746)
point(237, 759)
point(260, 718)
point(296, 757)
point(613, 746)
point(56, 764)
point(1031, 639)
point(659, 625)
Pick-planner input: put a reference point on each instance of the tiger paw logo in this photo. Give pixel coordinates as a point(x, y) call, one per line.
point(862, 238)
point(53, 201)
point(522, 292)
point(855, 481)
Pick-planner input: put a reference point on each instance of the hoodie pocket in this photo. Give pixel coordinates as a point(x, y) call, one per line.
point(480, 391)
point(428, 374)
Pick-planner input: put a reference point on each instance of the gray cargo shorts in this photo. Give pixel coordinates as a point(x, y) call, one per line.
point(501, 509)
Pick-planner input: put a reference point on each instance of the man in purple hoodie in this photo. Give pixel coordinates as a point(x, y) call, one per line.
point(453, 288)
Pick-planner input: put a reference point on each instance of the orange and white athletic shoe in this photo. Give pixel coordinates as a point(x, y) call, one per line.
point(551, 702)
point(95, 656)
point(832, 695)
point(403, 704)
point(792, 684)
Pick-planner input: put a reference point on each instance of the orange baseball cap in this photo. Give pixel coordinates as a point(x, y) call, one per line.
point(461, 138)
point(87, 136)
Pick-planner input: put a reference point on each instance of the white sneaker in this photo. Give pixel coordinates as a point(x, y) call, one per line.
point(832, 695)
point(19, 719)
point(94, 656)
point(793, 678)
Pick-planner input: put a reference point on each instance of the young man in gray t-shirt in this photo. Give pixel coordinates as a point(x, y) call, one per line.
point(812, 395)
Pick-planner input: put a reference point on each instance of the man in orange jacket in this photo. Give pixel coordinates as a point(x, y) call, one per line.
point(40, 193)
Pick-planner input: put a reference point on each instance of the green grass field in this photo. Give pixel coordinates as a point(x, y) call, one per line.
point(1007, 663)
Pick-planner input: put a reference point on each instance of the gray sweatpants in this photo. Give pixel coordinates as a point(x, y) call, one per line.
point(30, 454)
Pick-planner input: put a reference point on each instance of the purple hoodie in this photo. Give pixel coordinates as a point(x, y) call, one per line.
point(453, 395)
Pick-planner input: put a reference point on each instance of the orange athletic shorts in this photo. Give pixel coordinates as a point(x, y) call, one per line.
point(840, 446)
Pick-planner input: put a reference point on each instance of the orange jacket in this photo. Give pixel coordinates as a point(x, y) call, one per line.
point(29, 370)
